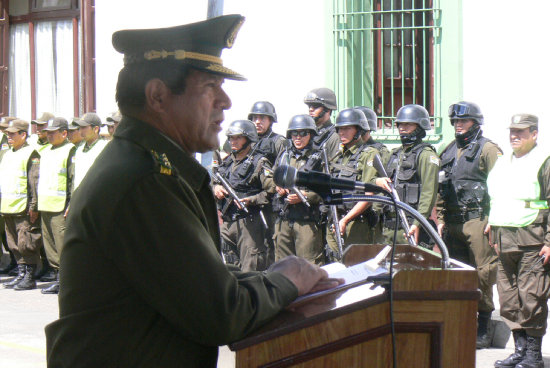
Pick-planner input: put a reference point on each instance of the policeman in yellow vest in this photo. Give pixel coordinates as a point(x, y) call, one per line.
point(54, 191)
point(18, 183)
point(40, 140)
point(73, 133)
point(10, 268)
point(519, 187)
point(85, 155)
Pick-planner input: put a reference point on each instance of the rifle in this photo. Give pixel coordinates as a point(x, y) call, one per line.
point(333, 210)
point(402, 216)
point(231, 192)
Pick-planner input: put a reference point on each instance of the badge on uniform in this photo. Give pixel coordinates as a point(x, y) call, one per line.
point(370, 163)
point(434, 160)
point(162, 161)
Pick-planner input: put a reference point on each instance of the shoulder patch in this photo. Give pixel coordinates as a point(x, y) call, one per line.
point(434, 160)
point(35, 160)
point(161, 161)
point(370, 162)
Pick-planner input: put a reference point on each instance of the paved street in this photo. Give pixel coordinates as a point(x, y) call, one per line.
point(25, 313)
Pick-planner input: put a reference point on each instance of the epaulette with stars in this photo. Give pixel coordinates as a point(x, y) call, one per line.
point(162, 163)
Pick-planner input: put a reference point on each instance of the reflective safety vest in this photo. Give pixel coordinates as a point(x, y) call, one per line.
point(13, 180)
point(517, 203)
point(52, 182)
point(84, 160)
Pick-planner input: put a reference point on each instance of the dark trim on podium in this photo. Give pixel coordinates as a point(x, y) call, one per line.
point(434, 329)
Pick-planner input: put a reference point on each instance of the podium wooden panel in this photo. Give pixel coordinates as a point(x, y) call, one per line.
point(434, 320)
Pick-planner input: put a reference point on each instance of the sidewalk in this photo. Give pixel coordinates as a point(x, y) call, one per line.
point(25, 313)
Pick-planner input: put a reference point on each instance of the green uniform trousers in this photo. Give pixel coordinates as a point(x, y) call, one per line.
point(523, 287)
point(467, 243)
point(246, 239)
point(357, 231)
point(300, 238)
point(53, 230)
point(24, 239)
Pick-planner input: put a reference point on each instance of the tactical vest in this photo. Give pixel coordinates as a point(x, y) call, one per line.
point(240, 180)
point(84, 160)
point(518, 203)
point(52, 183)
point(310, 160)
point(322, 136)
point(349, 171)
point(13, 180)
point(407, 181)
point(266, 145)
point(463, 186)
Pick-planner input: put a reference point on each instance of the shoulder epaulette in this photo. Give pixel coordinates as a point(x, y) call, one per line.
point(162, 162)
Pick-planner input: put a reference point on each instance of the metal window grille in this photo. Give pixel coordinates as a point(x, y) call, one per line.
point(386, 56)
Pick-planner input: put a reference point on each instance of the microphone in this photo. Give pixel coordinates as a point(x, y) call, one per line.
point(287, 177)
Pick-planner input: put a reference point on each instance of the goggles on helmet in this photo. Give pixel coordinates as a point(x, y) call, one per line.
point(459, 110)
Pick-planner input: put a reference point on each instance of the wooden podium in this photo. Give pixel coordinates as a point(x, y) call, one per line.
point(434, 314)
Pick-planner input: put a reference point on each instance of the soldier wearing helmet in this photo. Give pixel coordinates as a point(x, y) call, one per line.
point(372, 119)
point(270, 144)
point(463, 203)
point(297, 228)
point(356, 219)
point(247, 174)
point(321, 102)
point(413, 169)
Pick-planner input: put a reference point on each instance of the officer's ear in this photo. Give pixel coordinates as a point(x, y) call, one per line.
point(156, 93)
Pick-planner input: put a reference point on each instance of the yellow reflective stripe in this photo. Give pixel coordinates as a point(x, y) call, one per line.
point(537, 205)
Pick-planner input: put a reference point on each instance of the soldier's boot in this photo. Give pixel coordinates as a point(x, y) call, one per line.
point(53, 288)
point(533, 355)
point(49, 276)
point(45, 265)
point(12, 265)
point(520, 342)
point(28, 282)
point(22, 270)
point(483, 340)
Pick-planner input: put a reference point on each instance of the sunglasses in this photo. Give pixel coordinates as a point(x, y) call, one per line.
point(301, 133)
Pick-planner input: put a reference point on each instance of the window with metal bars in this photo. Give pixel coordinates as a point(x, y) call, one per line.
point(385, 57)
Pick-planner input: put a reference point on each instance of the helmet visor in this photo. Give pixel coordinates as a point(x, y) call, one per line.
point(459, 110)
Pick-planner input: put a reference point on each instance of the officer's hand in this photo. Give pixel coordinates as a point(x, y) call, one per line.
point(440, 227)
point(306, 276)
point(545, 251)
point(33, 215)
point(246, 202)
point(384, 183)
point(281, 191)
point(414, 231)
point(342, 224)
point(293, 198)
point(220, 192)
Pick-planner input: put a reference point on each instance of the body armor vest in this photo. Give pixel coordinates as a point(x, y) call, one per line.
point(404, 173)
point(308, 160)
point(239, 176)
point(322, 136)
point(463, 186)
point(266, 145)
point(349, 171)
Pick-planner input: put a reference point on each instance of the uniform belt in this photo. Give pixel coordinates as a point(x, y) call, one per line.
point(464, 216)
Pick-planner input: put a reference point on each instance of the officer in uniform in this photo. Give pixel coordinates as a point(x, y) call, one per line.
point(11, 267)
point(321, 102)
point(89, 126)
point(18, 183)
point(247, 173)
point(298, 228)
point(519, 190)
point(354, 162)
point(463, 204)
point(112, 122)
point(149, 205)
point(271, 145)
point(413, 170)
point(73, 133)
point(40, 139)
point(54, 192)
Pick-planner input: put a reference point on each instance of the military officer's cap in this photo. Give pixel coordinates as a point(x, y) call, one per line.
point(89, 119)
point(522, 121)
point(73, 125)
point(18, 125)
point(5, 121)
point(46, 116)
point(114, 118)
point(197, 44)
point(57, 124)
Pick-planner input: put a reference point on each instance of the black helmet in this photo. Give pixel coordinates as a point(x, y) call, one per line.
point(263, 108)
point(465, 110)
point(414, 114)
point(321, 96)
point(243, 127)
point(301, 122)
point(350, 117)
point(371, 116)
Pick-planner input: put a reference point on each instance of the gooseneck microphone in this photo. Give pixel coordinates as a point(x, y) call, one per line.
point(287, 177)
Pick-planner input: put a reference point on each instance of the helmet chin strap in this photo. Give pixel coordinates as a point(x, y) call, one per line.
point(416, 135)
point(471, 135)
point(242, 148)
point(317, 118)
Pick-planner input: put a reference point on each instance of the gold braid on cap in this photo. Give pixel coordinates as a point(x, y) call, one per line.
point(180, 55)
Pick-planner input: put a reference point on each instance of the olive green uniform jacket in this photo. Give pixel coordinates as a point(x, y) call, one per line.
point(142, 281)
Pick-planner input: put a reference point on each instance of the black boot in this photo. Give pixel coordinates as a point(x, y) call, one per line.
point(45, 265)
point(50, 276)
point(520, 342)
point(12, 265)
point(22, 270)
point(533, 355)
point(28, 282)
point(53, 288)
point(483, 340)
